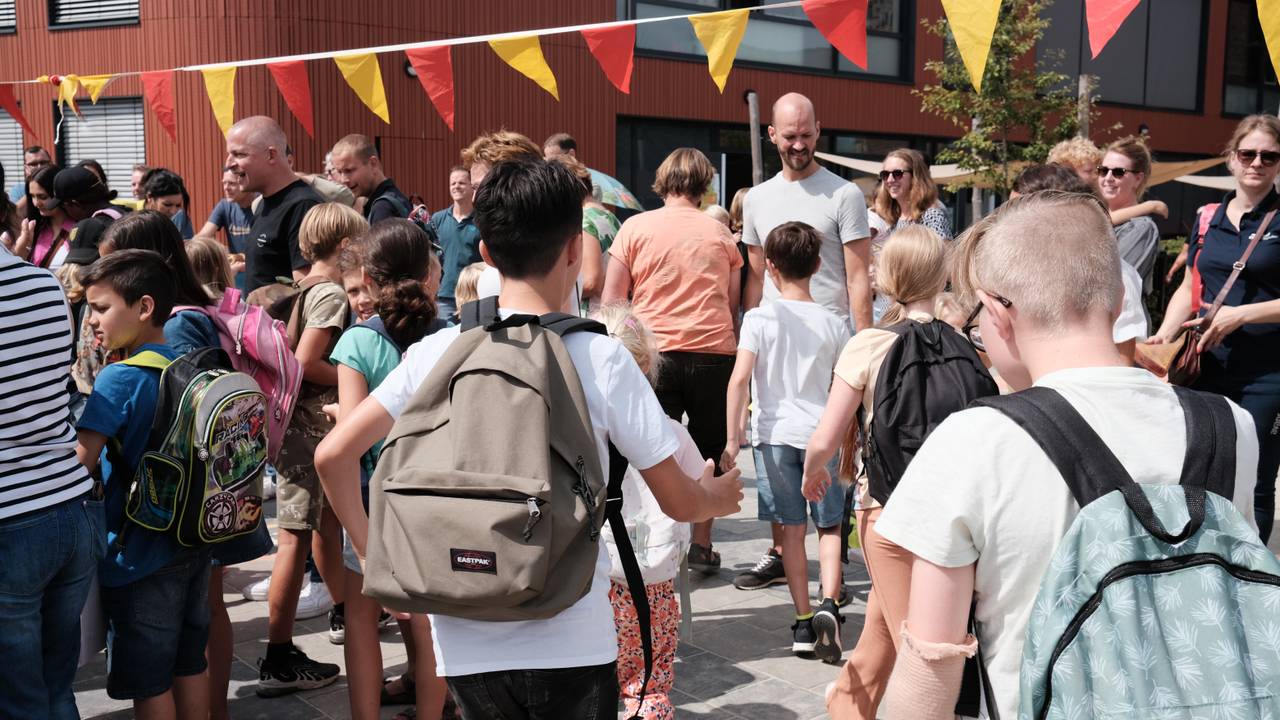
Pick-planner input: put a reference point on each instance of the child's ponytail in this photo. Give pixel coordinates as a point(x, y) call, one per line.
point(911, 267)
point(397, 256)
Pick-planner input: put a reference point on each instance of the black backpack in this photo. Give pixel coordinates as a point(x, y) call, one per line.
point(930, 372)
point(375, 324)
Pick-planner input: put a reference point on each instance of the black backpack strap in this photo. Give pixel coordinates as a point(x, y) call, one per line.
point(630, 567)
point(375, 324)
point(479, 313)
point(1211, 442)
point(563, 324)
point(1089, 467)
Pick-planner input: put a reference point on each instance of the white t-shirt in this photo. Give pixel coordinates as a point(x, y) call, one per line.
point(623, 409)
point(981, 490)
point(796, 345)
point(834, 207)
point(1132, 323)
point(489, 284)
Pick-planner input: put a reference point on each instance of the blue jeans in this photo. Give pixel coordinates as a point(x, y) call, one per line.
point(581, 693)
point(446, 308)
point(779, 476)
point(47, 561)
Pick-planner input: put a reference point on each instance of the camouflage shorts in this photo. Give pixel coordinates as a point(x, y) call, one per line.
point(299, 497)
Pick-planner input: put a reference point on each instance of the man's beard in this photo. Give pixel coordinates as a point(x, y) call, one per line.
point(796, 161)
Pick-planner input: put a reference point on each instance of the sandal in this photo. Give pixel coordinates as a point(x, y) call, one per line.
point(407, 694)
point(409, 713)
point(703, 559)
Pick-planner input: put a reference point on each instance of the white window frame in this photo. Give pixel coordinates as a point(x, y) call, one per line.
point(66, 14)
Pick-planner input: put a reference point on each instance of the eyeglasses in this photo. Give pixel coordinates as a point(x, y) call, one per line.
point(970, 327)
point(895, 174)
point(1116, 172)
point(1269, 157)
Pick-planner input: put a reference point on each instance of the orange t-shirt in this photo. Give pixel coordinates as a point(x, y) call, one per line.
point(680, 260)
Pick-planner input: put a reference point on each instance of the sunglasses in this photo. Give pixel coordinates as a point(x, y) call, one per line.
point(1269, 157)
point(970, 328)
point(895, 174)
point(1117, 173)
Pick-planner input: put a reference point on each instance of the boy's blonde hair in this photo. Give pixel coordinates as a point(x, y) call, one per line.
point(209, 263)
point(1076, 152)
point(627, 329)
point(325, 227)
point(948, 309)
point(69, 275)
point(1052, 254)
point(465, 289)
point(720, 214)
point(912, 267)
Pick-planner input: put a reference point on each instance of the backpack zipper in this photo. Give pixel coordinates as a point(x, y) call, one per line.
point(535, 514)
point(583, 490)
point(1142, 567)
point(532, 503)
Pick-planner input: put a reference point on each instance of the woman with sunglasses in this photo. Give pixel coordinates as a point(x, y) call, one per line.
point(1240, 350)
point(1122, 178)
point(908, 195)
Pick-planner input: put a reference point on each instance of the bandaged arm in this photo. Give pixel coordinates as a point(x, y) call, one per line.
point(926, 677)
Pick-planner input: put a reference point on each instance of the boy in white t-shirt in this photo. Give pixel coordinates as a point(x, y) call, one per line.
point(786, 354)
point(981, 505)
point(528, 212)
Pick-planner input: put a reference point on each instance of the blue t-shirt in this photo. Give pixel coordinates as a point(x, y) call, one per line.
point(122, 407)
point(190, 330)
point(17, 191)
point(460, 240)
point(236, 220)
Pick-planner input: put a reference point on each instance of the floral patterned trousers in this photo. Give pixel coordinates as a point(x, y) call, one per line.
point(664, 610)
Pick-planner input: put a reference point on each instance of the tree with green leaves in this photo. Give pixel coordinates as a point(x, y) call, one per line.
point(1022, 110)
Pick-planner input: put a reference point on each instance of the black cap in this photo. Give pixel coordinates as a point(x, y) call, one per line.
point(81, 184)
point(83, 244)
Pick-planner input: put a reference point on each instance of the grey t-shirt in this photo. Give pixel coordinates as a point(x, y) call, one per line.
point(1139, 240)
point(834, 207)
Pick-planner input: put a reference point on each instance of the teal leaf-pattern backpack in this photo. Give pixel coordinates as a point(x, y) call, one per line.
point(1136, 621)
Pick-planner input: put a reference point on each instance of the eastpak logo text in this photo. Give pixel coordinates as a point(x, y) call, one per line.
point(480, 561)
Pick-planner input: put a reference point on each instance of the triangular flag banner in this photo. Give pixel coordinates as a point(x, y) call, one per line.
point(220, 84)
point(295, 87)
point(525, 55)
point(10, 105)
point(973, 24)
point(434, 66)
point(95, 84)
point(364, 75)
point(1269, 18)
point(68, 86)
point(614, 48)
point(720, 33)
point(844, 24)
point(1105, 17)
point(157, 88)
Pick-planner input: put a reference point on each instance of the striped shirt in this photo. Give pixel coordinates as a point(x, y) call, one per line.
point(38, 466)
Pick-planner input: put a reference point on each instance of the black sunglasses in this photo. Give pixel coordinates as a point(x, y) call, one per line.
point(897, 174)
point(1117, 172)
point(970, 328)
point(1269, 157)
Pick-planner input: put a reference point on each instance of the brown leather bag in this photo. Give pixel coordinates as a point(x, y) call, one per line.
point(1179, 359)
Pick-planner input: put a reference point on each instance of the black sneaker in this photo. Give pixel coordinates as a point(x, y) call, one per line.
point(803, 638)
point(826, 625)
point(337, 626)
point(384, 619)
point(768, 571)
point(292, 673)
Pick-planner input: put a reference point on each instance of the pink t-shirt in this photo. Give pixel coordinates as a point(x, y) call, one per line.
point(681, 260)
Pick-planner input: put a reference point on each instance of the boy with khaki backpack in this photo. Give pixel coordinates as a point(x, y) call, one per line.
point(491, 521)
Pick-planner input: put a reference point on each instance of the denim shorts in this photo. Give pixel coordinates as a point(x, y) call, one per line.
point(779, 476)
point(157, 627)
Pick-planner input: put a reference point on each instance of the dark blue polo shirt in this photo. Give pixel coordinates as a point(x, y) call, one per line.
point(1253, 349)
point(460, 240)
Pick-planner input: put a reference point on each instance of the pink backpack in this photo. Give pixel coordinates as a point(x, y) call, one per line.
point(259, 348)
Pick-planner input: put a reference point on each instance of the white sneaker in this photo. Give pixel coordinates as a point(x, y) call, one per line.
point(269, 483)
point(257, 591)
point(313, 601)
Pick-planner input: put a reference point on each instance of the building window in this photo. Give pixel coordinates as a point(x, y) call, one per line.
point(782, 39)
point(11, 150)
point(1155, 60)
point(92, 13)
point(111, 133)
point(1250, 82)
point(8, 17)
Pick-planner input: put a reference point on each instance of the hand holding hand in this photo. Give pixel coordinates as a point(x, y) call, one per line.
point(816, 482)
point(729, 458)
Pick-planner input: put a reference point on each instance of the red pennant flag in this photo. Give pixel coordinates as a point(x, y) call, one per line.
point(10, 105)
point(157, 88)
point(434, 66)
point(844, 24)
point(295, 86)
point(614, 48)
point(1105, 18)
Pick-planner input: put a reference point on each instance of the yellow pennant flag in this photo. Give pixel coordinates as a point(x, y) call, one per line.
point(973, 24)
point(220, 84)
point(365, 77)
point(720, 33)
point(525, 55)
point(1269, 18)
point(67, 89)
point(94, 84)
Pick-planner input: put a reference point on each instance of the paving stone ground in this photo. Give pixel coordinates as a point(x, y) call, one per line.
point(737, 665)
